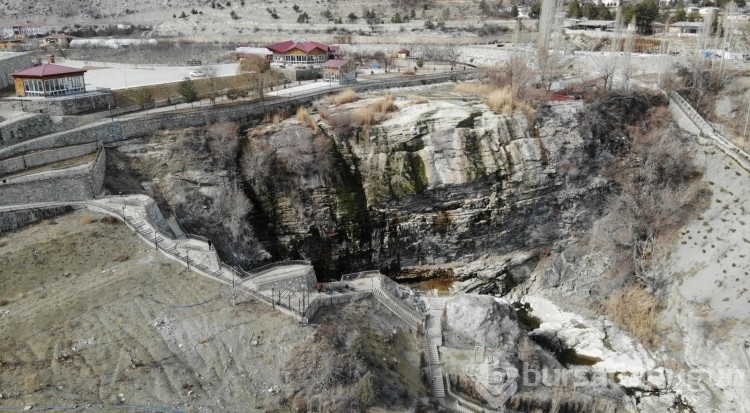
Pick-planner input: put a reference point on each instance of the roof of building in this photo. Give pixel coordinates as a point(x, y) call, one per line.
point(25, 24)
point(47, 70)
point(260, 51)
point(687, 24)
point(334, 63)
point(596, 23)
point(305, 46)
point(404, 51)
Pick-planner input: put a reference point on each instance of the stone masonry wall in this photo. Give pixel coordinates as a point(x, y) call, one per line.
point(103, 132)
point(307, 281)
point(19, 163)
point(10, 63)
point(56, 186)
point(156, 218)
point(63, 105)
point(12, 220)
point(23, 127)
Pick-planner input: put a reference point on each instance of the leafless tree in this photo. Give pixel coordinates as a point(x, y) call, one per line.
point(257, 160)
point(223, 141)
point(210, 72)
point(232, 207)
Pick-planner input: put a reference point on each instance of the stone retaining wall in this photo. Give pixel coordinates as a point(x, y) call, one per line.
point(55, 186)
point(19, 163)
point(62, 105)
point(23, 127)
point(306, 281)
point(103, 132)
point(13, 220)
point(10, 63)
point(156, 218)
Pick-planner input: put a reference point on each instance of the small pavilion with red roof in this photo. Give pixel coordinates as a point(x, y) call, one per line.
point(302, 52)
point(49, 80)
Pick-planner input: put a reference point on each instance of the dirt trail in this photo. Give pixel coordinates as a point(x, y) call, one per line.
point(90, 314)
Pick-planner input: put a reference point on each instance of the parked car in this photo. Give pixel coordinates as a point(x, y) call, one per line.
point(197, 73)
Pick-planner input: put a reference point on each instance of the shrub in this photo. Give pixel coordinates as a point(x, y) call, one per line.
point(385, 105)
point(88, 219)
point(304, 118)
point(366, 391)
point(472, 88)
point(345, 96)
point(635, 310)
point(363, 117)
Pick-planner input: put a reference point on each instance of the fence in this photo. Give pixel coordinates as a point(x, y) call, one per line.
point(254, 272)
point(362, 274)
point(729, 148)
point(324, 301)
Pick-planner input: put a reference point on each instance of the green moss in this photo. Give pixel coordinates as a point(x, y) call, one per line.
point(473, 148)
point(413, 179)
point(544, 153)
point(508, 159)
point(413, 145)
point(469, 122)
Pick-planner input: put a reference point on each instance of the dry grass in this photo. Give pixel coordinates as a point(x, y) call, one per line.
point(410, 73)
point(420, 101)
point(364, 117)
point(31, 383)
point(304, 118)
point(385, 105)
point(635, 310)
point(122, 257)
point(109, 220)
point(325, 115)
point(472, 88)
point(345, 96)
point(3, 243)
point(88, 219)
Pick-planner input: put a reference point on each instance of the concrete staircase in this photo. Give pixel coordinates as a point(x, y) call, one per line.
point(438, 388)
point(397, 307)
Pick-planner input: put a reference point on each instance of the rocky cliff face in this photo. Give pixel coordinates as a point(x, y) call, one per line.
point(432, 183)
point(435, 182)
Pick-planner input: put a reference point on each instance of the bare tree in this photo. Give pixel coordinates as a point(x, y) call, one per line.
point(210, 72)
point(257, 159)
point(232, 208)
point(223, 142)
point(450, 53)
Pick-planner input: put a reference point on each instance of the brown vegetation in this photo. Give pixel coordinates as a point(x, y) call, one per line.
point(636, 310)
point(384, 105)
point(304, 118)
point(345, 96)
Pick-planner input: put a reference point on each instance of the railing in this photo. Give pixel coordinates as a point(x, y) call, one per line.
point(254, 272)
point(362, 274)
point(729, 148)
point(397, 308)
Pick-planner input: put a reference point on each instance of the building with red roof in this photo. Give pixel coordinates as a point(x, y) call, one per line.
point(302, 52)
point(49, 80)
point(340, 71)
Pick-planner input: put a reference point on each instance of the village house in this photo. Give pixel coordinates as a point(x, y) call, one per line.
point(49, 80)
point(24, 29)
point(341, 71)
point(403, 54)
point(302, 52)
point(58, 40)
